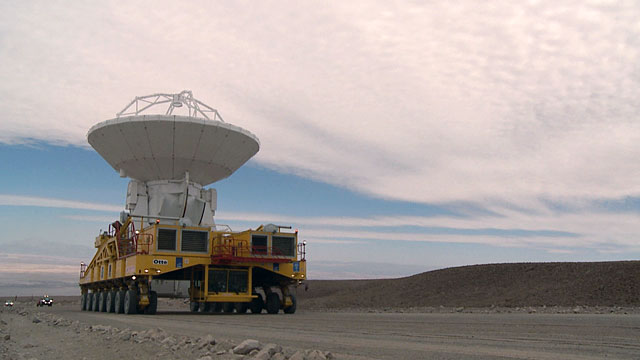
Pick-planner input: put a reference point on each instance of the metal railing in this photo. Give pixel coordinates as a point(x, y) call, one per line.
point(241, 251)
point(83, 269)
point(139, 244)
point(302, 251)
point(130, 242)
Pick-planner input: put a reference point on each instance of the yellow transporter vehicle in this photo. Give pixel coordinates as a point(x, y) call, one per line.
point(227, 270)
point(169, 233)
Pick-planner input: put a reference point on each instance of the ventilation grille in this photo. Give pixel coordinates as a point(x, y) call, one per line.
point(194, 241)
point(167, 239)
point(259, 244)
point(283, 245)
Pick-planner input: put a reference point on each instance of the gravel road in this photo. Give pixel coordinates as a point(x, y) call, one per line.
point(403, 335)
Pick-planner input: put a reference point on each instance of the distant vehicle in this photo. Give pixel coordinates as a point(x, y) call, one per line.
point(46, 300)
point(8, 303)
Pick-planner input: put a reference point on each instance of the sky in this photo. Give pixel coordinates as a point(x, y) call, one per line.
point(397, 136)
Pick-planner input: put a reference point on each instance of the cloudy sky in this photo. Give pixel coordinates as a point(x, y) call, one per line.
point(397, 136)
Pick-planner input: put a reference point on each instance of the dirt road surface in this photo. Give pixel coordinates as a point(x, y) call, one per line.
point(402, 335)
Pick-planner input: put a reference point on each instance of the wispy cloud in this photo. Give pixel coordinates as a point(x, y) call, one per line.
point(35, 274)
point(538, 226)
point(20, 200)
point(504, 105)
point(45, 260)
point(102, 219)
point(33, 268)
point(552, 231)
point(430, 102)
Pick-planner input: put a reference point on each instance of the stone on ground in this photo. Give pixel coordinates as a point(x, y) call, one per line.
point(267, 352)
point(246, 347)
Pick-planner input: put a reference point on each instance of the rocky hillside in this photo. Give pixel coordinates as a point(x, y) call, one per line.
point(510, 285)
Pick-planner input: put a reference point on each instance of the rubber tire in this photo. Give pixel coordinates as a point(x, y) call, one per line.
point(83, 302)
point(202, 307)
point(214, 307)
point(107, 301)
point(130, 302)
point(273, 303)
point(89, 301)
point(96, 301)
point(241, 307)
point(110, 302)
point(103, 301)
point(256, 305)
point(227, 307)
point(291, 309)
point(119, 302)
point(193, 306)
point(153, 304)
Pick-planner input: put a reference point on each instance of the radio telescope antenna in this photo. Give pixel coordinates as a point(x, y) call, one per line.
point(170, 158)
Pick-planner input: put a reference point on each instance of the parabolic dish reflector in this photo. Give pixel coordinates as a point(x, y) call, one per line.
point(164, 147)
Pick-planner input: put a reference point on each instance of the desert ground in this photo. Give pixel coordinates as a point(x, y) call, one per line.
point(478, 315)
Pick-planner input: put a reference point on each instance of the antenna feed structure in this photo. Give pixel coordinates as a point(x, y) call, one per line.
point(195, 107)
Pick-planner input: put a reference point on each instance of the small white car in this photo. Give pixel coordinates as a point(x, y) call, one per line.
point(46, 300)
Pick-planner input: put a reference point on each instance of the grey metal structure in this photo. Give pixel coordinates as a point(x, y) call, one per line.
point(194, 106)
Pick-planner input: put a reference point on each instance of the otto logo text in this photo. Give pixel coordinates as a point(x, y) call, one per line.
point(160, 262)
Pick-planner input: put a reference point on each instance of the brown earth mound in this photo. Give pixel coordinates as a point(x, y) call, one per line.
point(508, 285)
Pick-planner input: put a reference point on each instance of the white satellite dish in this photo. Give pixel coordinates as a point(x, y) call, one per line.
point(171, 157)
point(164, 147)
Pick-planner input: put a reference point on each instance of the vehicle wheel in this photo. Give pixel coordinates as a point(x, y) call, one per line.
point(217, 307)
point(89, 301)
point(83, 302)
point(227, 307)
point(273, 303)
point(202, 307)
point(256, 305)
point(241, 307)
point(103, 301)
point(214, 307)
point(111, 301)
point(130, 302)
point(153, 303)
point(206, 307)
point(96, 301)
point(119, 301)
point(291, 309)
point(193, 306)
